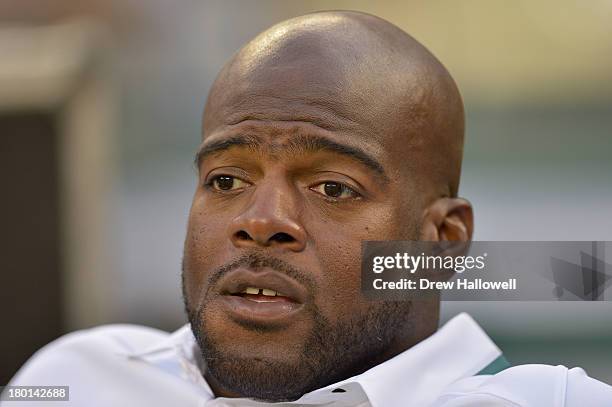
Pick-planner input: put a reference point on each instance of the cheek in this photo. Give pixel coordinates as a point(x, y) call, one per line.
point(338, 247)
point(203, 243)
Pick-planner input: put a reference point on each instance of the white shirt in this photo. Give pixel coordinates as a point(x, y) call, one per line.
point(127, 365)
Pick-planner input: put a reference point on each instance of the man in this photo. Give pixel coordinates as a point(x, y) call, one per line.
point(324, 131)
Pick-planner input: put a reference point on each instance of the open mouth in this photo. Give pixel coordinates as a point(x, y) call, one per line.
point(262, 296)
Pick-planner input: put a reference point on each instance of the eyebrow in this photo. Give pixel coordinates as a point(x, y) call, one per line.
point(300, 143)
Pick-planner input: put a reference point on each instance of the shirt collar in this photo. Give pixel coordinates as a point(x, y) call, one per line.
point(416, 376)
point(176, 355)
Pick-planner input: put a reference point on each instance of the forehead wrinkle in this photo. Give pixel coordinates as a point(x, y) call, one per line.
point(323, 111)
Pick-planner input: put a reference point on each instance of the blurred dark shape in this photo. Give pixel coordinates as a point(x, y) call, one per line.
point(30, 236)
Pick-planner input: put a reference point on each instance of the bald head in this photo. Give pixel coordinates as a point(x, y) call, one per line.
point(355, 73)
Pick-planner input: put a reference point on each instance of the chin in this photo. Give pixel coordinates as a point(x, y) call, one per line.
point(283, 345)
point(261, 379)
point(268, 366)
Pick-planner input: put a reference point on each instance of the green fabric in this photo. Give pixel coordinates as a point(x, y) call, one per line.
point(495, 367)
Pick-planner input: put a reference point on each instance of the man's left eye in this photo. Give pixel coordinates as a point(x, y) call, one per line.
point(335, 190)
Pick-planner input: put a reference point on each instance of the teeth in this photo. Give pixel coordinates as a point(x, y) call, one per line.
point(264, 291)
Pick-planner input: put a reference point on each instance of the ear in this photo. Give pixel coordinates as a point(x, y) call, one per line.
point(448, 219)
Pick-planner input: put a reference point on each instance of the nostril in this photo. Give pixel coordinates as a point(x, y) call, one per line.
point(282, 238)
point(242, 235)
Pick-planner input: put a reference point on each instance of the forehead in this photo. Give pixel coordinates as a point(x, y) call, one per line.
point(330, 79)
point(285, 92)
point(289, 109)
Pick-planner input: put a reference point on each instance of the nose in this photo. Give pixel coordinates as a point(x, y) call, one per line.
point(270, 219)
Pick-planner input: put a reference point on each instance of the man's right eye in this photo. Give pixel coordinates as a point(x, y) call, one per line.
point(226, 183)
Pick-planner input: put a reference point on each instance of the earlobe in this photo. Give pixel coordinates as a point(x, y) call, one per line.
point(448, 219)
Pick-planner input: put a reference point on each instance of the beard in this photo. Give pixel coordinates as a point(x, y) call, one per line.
point(331, 352)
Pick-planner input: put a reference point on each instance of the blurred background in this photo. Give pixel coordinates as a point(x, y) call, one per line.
point(100, 105)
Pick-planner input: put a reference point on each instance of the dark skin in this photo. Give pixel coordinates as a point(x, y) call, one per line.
point(324, 131)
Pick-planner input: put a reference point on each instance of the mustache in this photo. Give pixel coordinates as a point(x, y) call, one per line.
point(257, 260)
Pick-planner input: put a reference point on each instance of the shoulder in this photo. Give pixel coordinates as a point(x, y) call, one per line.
point(80, 351)
point(122, 338)
point(113, 365)
point(528, 385)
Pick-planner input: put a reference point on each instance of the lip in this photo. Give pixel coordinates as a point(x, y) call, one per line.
point(270, 312)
